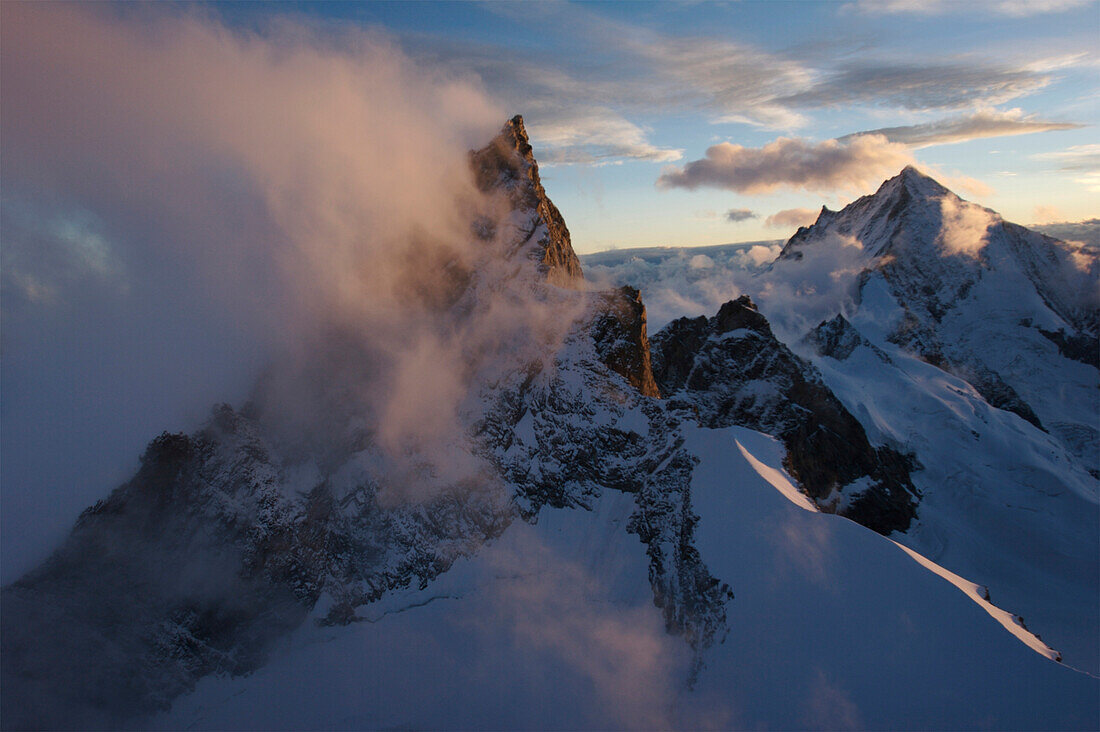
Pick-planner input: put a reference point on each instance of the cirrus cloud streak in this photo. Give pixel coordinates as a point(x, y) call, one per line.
point(983, 123)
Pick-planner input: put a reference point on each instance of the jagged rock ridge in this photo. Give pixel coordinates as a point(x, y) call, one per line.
point(225, 540)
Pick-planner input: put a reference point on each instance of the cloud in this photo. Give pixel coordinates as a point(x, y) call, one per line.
point(560, 608)
point(791, 218)
point(965, 227)
point(597, 103)
point(1013, 8)
point(687, 281)
point(735, 215)
point(1084, 159)
point(855, 164)
point(186, 205)
point(1090, 180)
point(732, 81)
point(919, 85)
point(829, 706)
point(595, 136)
point(1046, 214)
point(1076, 157)
point(984, 123)
point(1086, 232)
point(760, 254)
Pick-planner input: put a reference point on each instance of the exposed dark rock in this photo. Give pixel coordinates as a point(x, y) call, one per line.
point(565, 457)
point(619, 332)
point(1076, 347)
point(993, 388)
point(837, 338)
point(731, 370)
point(159, 583)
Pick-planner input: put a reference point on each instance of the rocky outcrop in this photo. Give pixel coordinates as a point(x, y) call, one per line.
point(1080, 346)
point(200, 562)
point(731, 370)
point(508, 164)
point(837, 338)
point(564, 436)
point(619, 332)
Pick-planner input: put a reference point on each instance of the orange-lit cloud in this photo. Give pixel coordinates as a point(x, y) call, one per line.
point(858, 164)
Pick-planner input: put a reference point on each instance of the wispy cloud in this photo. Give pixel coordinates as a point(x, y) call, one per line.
point(1014, 8)
point(596, 135)
point(831, 165)
point(736, 215)
point(1082, 159)
point(595, 104)
point(959, 84)
point(791, 218)
point(1076, 157)
point(983, 123)
point(1090, 180)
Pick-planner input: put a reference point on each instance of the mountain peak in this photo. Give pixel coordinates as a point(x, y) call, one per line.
point(508, 164)
point(514, 136)
point(918, 184)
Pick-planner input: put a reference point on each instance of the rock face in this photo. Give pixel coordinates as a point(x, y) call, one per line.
point(838, 339)
point(619, 329)
point(508, 164)
point(731, 370)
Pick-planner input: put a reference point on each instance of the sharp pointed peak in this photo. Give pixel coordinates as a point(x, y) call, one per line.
point(916, 182)
point(515, 134)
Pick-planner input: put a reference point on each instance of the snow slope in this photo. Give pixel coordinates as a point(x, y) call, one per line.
point(1011, 311)
point(552, 626)
point(1003, 503)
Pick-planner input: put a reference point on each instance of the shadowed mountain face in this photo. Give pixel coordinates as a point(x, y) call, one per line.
point(731, 370)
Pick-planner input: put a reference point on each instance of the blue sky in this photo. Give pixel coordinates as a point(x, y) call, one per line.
point(615, 93)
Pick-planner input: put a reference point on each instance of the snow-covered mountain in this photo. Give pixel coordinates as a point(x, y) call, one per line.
point(1003, 307)
point(971, 343)
point(577, 530)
